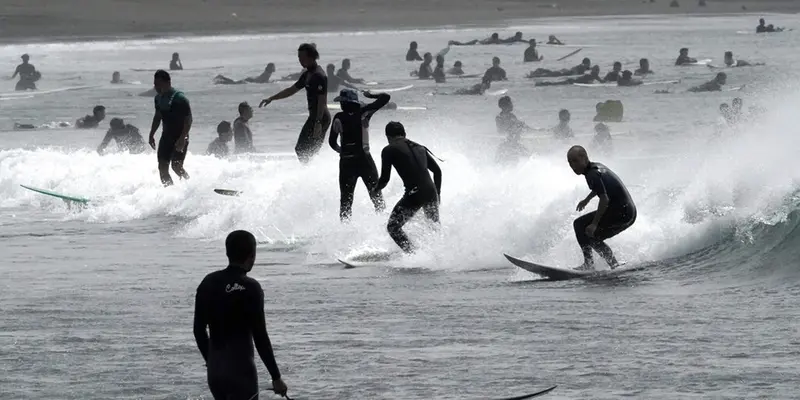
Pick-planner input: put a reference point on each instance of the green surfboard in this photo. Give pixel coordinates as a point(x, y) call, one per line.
point(57, 195)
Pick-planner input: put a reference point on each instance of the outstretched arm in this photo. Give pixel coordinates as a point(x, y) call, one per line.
point(381, 100)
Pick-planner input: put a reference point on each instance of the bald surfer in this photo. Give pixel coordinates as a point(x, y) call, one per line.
point(531, 55)
point(92, 121)
point(315, 82)
point(355, 160)
point(412, 162)
point(683, 58)
point(229, 319)
point(412, 54)
point(495, 73)
point(344, 75)
point(173, 110)
point(644, 68)
point(175, 64)
point(714, 85)
point(28, 75)
point(615, 211)
point(127, 137)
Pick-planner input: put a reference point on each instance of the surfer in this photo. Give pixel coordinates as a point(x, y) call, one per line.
point(219, 146)
point(412, 54)
point(602, 138)
point(173, 109)
point(456, 70)
point(683, 58)
point(609, 111)
point(355, 160)
point(494, 39)
point(714, 85)
point(230, 305)
point(475, 90)
point(438, 72)
point(92, 121)
point(127, 137)
point(762, 26)
point(115, 78)
point(334, 81)
point(508, 123)
point(615, 211)
point(553, 40)
point(592, 77)
point(771, 29)
point(580, 69)
point(412, 162)
point(175, 64)
point(312, 135)
point(242, 135)
point(614, 75)
point(562, 130)
point(731, 62)
point(345, 76)
point(263, 78)
point(28, 75)
point(644, 68)
point(627, 79)
point(425, 70)
point(513, 39)
point(495, 73)
point(531, 55)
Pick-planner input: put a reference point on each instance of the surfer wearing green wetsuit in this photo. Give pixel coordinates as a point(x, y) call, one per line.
point(173, 109)
point(615, 211)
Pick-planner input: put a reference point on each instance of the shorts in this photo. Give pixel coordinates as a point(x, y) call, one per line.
point(166, 150)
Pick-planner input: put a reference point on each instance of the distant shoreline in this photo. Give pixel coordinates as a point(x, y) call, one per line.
point(38, 21)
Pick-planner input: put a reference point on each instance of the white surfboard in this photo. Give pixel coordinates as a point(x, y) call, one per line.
point(390, 90)
point(562, 274)
point(28, 93)
point(595, 85)
point(496, 92)
point(698, 63)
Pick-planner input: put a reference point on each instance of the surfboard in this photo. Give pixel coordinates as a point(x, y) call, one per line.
point(496, 92)
point(337, 106)
point(397, 89)
point(698, 63)
point(562, 274)
point(227, 192)
point(531, 395)
point(733, 89)
point(28, 93)
point(569, 55)
point(661, 82)
point(594, 85)
point(57, 195)
point(370, 83)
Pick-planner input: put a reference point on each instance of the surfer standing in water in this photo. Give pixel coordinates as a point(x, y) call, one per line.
point(312, 135)
point(412, 162)
point(175, 64)
point(615, 211)
point(355, 161)
point(27, 75)
point(231, 305)
point(412, 54)
point(172, 107)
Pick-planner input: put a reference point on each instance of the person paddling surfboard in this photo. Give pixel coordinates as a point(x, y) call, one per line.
point(615, 211)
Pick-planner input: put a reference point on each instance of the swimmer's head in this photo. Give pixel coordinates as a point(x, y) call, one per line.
point(270, 68)
point(224, 131)
point(99, 112)
point(245, 110)
point(307, 55)
point(175, 56)
point(496, 61)
point(617, 66)
point(240, 246)
point(721, 78)
point(413, 45)
point(346, 63)
point(564, 116)
point(457, 64)
point(331, 69)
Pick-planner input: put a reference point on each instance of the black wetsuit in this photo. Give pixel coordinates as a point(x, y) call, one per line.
point(761, 29)
point(355, 160)
point(683, 60)
point(174, 108)
point(413, 55)
point(612, 76)
point(531, 55)
point(412, 162)
point(175, 65)
point(438, 74)
point(87, 122)
point(27, 77)
point(495, 74)
point(218, 148)
point(242, 137)
point(231, 305)
point(620, 214)
point(316, 83)
point(425, 71)
point(127, 138)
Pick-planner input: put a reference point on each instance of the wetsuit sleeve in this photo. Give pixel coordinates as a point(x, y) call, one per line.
point(370, 109)
point(433, 166)
point(301, 82)
point(595, 182)
point(200, 323)
point(505, 78)
point(260, 335)
point(336, 130)
point(386, 168)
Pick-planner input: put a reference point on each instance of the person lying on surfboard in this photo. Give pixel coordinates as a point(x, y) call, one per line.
point(585, 65)
point(731, 62)
point(493, 39)
point(714, 85)
point(531, 55)
point(475, 90)
point(127, 137)
point(334, 82)
point(495, 73)
point(412, 162)
point(219, 146)
point(644, 68)
point(263, 78)
point(175, 64)
point(412, 54)
point(592, 77)
point(345, 76)
point(456, 70)
point(92, 121)
point(615, 211)
point(627, 79)
point(683, 58)
point(229, 319)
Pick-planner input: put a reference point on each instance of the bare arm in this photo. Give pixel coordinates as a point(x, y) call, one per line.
point(16, 72)
point(288, 92)
point(187, 125)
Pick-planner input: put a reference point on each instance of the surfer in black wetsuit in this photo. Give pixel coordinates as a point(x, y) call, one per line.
point(173, 109)
point(512, 149)
point(242, 135)
point(615, 212)
point(456, 70)
point(592, 77)
point(531, 55)
point(412, 54)
point(438, 72)
point(175, 64)
point(28, 75)
point(714, 85)
point(230, 305)
point(219, 146)
point(475, 90)
point(127, 137)
point(762, 26)
point(425, 70)
point(355, 160)
point(683, 58)
point(579, 69)
point(263, 78)
point(644, 68)
point(513, 39)
point(92, 121)
point(494, 39)
point(614, 75)
point(627, 79)
point(312, 135)
point(334, 81)
point(412, 162)
point(495, 73)
point(116, 79)
point(345, 76)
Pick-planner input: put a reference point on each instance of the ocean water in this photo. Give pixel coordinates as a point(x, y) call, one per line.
point(97, 302)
